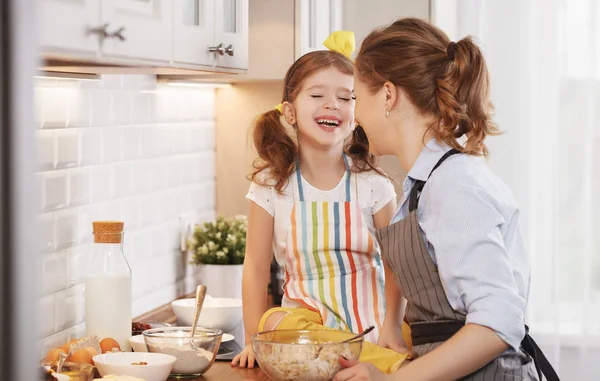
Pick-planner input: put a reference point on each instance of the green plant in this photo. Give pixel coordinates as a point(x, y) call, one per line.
point(219, 242)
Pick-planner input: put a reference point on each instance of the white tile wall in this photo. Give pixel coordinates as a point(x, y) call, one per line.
point(123, 148)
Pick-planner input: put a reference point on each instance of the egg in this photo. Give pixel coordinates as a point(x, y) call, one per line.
point(65, 347)
point(83, 356)
point(54, 354)
point(107, 344)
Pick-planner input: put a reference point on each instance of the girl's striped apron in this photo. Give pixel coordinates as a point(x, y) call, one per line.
point(333, 265)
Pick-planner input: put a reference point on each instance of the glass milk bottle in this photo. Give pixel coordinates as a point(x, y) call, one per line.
point(108, 285)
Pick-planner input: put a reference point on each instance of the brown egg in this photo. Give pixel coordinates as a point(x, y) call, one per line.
point(108, 343)
point(65, 347)
point(54, 354)
point(83, 356)
point(92, 351)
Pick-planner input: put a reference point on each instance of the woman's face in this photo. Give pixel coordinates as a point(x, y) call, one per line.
point(370, 113)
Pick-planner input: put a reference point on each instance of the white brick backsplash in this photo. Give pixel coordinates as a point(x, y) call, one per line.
point(150, 213)
point(101, 183)
point(121, 180)
point(177, 171)
point(54, 272)
point(77, 262)
point(67, 148)
point(131, 209)
point(78, 104)
point(131, 142)
point(76, 332)
point(121, 148)
point(53, 109)
point(142, 244)
point(70, 307)
point(180, 139)
point(46, 315)
point(121, 102)
point(102, 107)
point(66, 225)
point(46, 232)
point(87, 214)
point(79, 186)
point(112, 82)
point(113, 144)
point(110, 210)
point(150, 142)
point(140, 177)
point(55, 190)
point(140, 108)
point(207, 171)
point(46, 149)
point(91, 146)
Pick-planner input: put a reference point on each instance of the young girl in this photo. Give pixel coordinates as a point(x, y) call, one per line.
point(316, 199)
point(454, 245)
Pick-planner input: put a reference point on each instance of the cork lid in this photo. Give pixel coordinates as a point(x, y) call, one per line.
point(108, 231)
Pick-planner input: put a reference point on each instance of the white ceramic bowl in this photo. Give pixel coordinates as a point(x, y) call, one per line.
point(158, 365)
point(221, 313)
point(138, 344)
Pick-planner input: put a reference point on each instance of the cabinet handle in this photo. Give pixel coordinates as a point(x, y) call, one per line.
point(99, 30)
point(229, 50)
point(217, 49)
point(118, 34)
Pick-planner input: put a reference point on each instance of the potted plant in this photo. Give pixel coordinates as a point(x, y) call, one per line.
point(218, 248)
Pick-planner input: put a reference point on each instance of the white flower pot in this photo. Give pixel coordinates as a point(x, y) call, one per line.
point(221, 281)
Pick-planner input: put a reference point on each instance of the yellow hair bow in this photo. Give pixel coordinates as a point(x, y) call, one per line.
point(341, 41)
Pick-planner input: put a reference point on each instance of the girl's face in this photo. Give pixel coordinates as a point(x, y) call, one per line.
point(324, 109)
point(371, 115)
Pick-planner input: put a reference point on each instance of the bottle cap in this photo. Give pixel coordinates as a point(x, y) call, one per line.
point(108, 231)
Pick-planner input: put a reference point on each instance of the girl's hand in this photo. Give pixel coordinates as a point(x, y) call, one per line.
point(390, 336)
point(244, 359)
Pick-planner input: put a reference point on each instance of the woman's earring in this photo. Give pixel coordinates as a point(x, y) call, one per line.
point(387, 113)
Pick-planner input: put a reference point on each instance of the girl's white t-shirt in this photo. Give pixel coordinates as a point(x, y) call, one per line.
point(374, 192)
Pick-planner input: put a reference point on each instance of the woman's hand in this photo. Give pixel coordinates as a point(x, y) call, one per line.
point(356, 371)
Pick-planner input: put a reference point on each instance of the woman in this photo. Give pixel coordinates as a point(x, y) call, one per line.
point(454, 245)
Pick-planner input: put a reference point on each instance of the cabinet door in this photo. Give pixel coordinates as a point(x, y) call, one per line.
point(315, 21)
point(231, 30)
point(65, 26)
point(138, 29)
point(194, 31)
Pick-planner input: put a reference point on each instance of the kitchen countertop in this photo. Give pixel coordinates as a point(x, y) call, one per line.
point(220, 370)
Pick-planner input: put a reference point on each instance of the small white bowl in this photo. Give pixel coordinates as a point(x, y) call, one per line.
point(221, 313)
point(158, 365)
point(138, 344)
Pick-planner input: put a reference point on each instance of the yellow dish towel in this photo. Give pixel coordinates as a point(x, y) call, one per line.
point(384, 359)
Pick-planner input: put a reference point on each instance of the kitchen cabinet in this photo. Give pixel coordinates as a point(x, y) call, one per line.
point(63, 27)
point(315, 21)
point(137, 29)
point(146, 36)
point(279, 32)
point(213, 33)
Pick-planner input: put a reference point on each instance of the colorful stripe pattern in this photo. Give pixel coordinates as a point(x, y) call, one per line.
point(332, 264)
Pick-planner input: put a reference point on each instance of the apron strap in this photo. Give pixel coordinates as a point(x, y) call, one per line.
point(299, 181)
point(347, 187)
point(439, 331)
point(419, 184)
point(348, 173)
